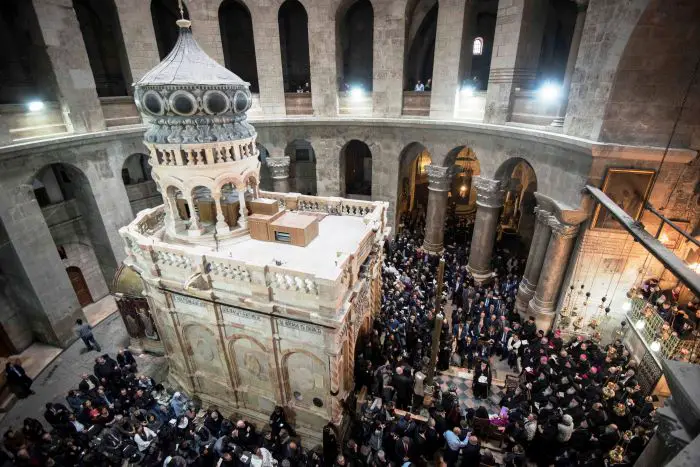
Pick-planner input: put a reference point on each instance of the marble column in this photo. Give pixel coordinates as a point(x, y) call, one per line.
point(489, 201)
point(582, 6)
point(279, 167)
point(221, 225)
point(543, 304)
point(447, 69)
point(535, 260)
point(439, 181)
point(243, 210)
point(194, 230)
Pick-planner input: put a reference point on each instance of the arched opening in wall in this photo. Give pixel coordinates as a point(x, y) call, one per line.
point(412, 196)
point(103, 40)
point(556, 41)
point(355, 32)
point(421, 30)
point(356, 170)
point(302, 166)
point(294, 46)
point(73, 217)
point(164, 14)
point(265, 175)
point(140, 187)
point(79, 285)
point(236, 26)
point(520, 184)
point(26, 71)
point(182, 207)
point(462, 198)
point(478, 48)
point(204, 207)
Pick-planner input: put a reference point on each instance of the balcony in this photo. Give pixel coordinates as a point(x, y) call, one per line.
point(298, 103)
point(119, 111)
point(355, 104)
point(529, 109)
point(416, 104)
point(18, 123)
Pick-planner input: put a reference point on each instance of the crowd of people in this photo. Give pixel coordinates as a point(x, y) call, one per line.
point(574, 403)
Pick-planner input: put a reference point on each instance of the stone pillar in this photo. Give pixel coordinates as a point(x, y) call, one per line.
point(75, 84)
point(322, 59)
point(543, 304)
point(45, 294)
point(205, 27)
point(268, 58)
point(516, 51)
point(439, 180)
point(221, 225)
point(388, 58)
point(489, 201)
point(582, 6)
point(447, 68)
point(279, 167)
point(194, 229)
point(139, 36)
point(243, 210)
point(535, 259)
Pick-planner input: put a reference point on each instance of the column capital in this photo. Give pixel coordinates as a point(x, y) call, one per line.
point(562, 230)
point(439, 178)
point(279, 166)
point(542, 215)
point(489, 193)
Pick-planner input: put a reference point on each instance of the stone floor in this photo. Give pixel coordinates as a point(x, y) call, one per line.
point(63, 374)
point(100, 310)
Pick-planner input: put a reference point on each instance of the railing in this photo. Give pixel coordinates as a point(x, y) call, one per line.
point(328, 205)
point(298, 103)
point(530, 109)
point(119, 111)
point(416, 103)
point(202, 154)
point(355, 104)
point(654, 328)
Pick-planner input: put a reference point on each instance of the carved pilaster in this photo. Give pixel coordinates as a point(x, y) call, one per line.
point(489, 193)
point(279, 166)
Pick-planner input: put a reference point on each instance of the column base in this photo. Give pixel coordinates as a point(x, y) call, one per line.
point(195, 232)
point(222, 228)
point(544, 314)
point(436, 248)
point(525, 293)
point(480, 275)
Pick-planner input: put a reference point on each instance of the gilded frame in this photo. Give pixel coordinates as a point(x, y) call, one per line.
point(611, 189)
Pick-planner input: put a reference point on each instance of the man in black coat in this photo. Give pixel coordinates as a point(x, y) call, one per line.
point(126, 360)
point(402, 384)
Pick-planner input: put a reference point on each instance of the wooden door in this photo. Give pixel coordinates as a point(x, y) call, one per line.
point(79, 285)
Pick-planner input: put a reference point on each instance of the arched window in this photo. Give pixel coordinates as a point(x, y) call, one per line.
point(478, 47)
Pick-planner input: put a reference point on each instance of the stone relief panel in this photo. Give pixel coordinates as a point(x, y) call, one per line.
point(255, 371)
point(205, 358)
point(306, 380)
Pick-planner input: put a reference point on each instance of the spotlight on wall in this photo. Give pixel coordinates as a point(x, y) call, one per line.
point(357, 93)
point(655, 346)
point(549, 91)
point(627, 306)
point(640, 324)
point(467, 90)
point(35, 106)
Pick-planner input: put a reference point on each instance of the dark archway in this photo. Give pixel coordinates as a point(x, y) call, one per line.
point(477, 73)
point(103, 40)
point(302, 166)
point(421, 50)
point(136, 169)
point(164, 14)
point(412, 196)
point(556, 41)
point(294, 45)
point(140, 187)
point(24, 65)
point(237, 40)
point(356, 168)
point(355, 32)
point(520, 184)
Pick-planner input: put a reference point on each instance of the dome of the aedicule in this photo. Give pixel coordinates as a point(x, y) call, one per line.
point(190, 98)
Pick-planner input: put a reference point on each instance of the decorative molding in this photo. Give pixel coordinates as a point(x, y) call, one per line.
point(439, 178)
point(489, 193)
point(279, 166)
point(562, 230)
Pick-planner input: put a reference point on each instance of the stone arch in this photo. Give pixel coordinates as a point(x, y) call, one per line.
point(175, 198)
point(300, 385)
point(227, 178)
point(412, 186)
point(302, 166)
point(519, 180)
point(356, 169)
point(421, 32)
point(293, 21)
point(141, 189)
point(248, 369)
point(82, 256)
point(164, 13)
point(198, 181)
point(99, 25)
point(462, 190)
point(354, 44)
point(236, 24)
point(136, 169)
point(70, 194)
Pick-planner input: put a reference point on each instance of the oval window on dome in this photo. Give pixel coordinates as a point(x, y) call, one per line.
point(183, 103)
point(215, 102)
point(241, 101)
point(153, 103)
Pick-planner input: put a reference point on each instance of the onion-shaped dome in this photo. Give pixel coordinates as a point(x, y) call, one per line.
point(189, 98)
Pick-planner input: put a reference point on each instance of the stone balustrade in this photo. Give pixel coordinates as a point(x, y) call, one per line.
point(202, 154)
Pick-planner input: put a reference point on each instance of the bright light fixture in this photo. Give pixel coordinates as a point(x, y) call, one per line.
point(549, 92)
point(655, 346)
point(35, 106)
point(356, 92)
point(627, 306)
point(640, 324)
point(467, 91)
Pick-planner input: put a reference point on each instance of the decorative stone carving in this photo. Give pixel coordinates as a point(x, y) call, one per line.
point(279, 166)
point(439, 178)
point(489, 193)
point(560, 229)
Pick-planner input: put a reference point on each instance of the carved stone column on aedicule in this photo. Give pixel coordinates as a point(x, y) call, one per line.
point(489, 201)
point(243, 211)
point(556, 259)
point(439, 180)
point(221, 225)
point(279, 167)
point(535, 259)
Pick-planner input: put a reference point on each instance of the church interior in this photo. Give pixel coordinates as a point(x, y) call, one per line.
point(350, 233)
